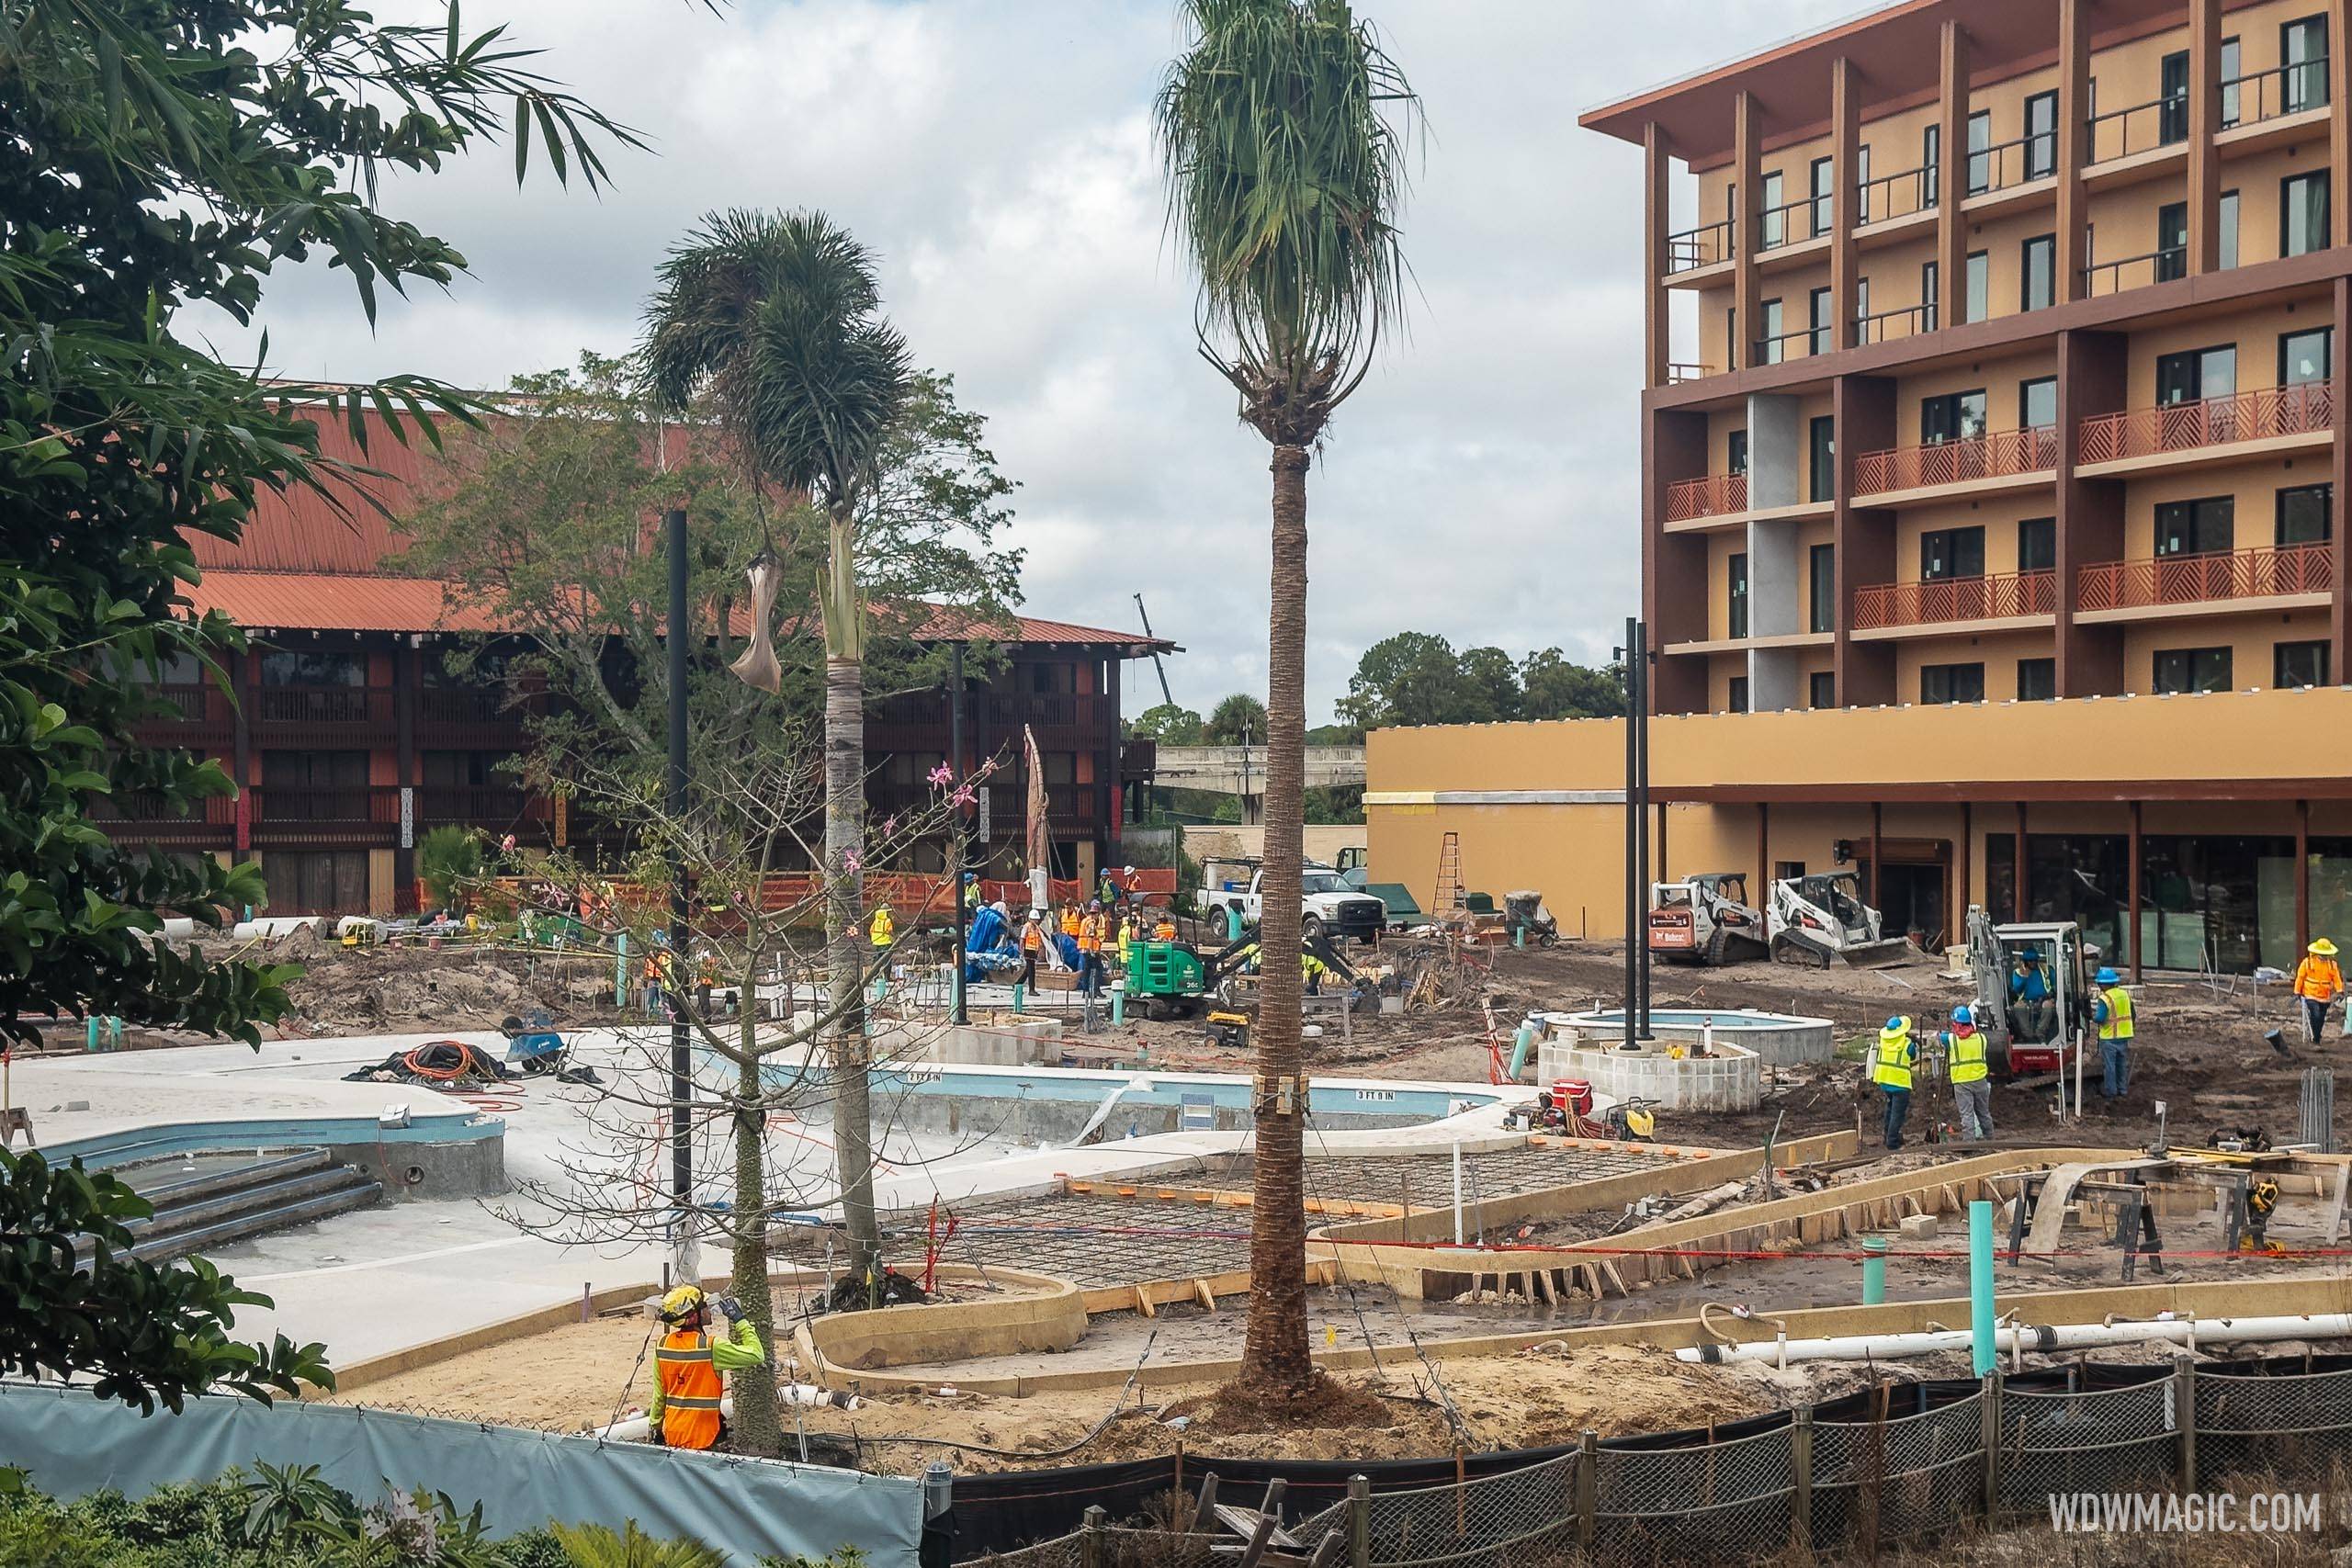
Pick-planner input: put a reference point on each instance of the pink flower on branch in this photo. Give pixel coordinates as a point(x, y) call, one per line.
point(942, 776)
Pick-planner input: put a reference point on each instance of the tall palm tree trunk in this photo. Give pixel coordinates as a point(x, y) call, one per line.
point(1275, 1354)
point(757, 1427)
point(846, 896)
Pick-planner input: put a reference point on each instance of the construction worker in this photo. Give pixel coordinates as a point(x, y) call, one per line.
point(2112, 1007)
point(657, 969)
point(881, 929)
point(1033, 945)
point(1126, 940)
point(2318, 982)
point(1106, 889)
point(1971, 1074)
point(1090, 934)
point(686, 1385)
point(1165, 930)
point(2029, 999)
point(1070, 920)
point(1891, 1070)
point(1311, 971)
point(705, 980)
point(971, 894)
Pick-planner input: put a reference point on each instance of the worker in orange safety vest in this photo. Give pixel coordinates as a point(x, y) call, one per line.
point(687, 1387)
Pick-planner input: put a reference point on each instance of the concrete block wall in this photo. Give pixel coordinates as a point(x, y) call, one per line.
point(1730, 1080)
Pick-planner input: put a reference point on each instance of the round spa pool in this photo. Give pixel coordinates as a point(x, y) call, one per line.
point(1781, 1040)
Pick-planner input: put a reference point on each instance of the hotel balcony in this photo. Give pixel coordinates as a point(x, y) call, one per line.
point(1997, 461)
point(2223, 582)
point(1891, 609)
point(2208, 431)
point(1717, 495)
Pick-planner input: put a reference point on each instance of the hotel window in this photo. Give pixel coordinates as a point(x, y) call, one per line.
point(1955, 416)
point(2196, 373)
point(1951, 683)
point(2229, 227)
point(1737, 695)
point(1930, 290)
point(2230, 68)
point(1821, 689)
point(1931, 158)
point(1821, 564)
point(2302, 48)
point(1735, 452)
point(2037, 680)
point(2172, 242)
point(1980, 160)
point(2038, 403)
point(1767, 346)
point(1861, 309)
point(313, 667)
point(1863, 184)
point(2306, 514)
point(2202, 528)
point(1951, 552)
point(2192, 669)
point(1821, 339)
point(2172, 111)
point(2294, 664)
point(2040, 136)
point(2302, 213)
point(2306, 356)
point(1731, 336)
point(2038, 544)
point(1736, 570)
point(1824, 458)
point(1824, 215)
point(1773, 220)
point(1979, 303)
point(2038, 273)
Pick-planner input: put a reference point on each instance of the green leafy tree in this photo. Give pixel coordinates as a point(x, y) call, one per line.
point(1170, 725)
point(1239, 719)
point(1491, 682)
point(1555, 688)
point(155, 153)
point(1414, 678)
point(1285, 171)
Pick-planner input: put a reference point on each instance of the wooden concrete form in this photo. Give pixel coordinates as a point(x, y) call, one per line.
point(1147, 1296)
point(2213, 1298)
point(1598, 1268)
point(1049, 1316)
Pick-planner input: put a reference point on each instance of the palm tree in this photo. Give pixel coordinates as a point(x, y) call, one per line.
point(1285, 177)
point(771, 324)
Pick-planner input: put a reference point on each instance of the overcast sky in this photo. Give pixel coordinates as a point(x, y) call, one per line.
point(1481, 483)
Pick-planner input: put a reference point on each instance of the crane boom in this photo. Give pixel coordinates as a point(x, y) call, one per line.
point(1159, 668)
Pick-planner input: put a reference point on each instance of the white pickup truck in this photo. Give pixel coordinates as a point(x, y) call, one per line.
point(1230, 902)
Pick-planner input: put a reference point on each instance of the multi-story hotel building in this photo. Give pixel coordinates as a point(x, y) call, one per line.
point(351, 733)
point(2003, 363)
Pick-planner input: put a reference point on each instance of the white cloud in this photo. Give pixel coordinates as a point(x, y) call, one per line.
point(997, 155)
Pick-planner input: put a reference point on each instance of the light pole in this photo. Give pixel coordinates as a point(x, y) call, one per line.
point(684, 1250)
point(956, 812)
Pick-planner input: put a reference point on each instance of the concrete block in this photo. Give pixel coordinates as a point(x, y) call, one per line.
point(1917, 1227)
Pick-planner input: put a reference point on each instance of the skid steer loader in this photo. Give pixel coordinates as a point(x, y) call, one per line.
point(1821, 919)
point(1706, 918)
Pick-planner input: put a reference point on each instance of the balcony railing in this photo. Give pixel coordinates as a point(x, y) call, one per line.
point(1694, 248)
point(1781, 347)
point(480, 806)
point(1955, 599)
point(468, 705)
point(2019, 160)
point(323, 705)
point(2282, 90)
point(1997, 455)
point(1791, 223)
point(1898, 194)
point(2306, 410)
point(1711, 497)
point(2220, 574)
point(2139, 128)
point(1886, 326)
point(342, 804)
point(215, 811)
point(2102, 278)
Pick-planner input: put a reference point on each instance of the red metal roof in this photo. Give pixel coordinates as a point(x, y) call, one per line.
point(304, 566)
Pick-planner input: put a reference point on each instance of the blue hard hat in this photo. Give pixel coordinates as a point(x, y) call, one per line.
point(1962, 1015)
point(1898, 1022)
point(2106, 976)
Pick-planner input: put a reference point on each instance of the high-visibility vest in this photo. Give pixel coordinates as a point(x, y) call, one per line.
point(1069, 922)
point(1164, 932)
point(1126, 943)
point(690, 1390)
point(2318, 978)
point(1032, 937)
point(1089, 934)
point(1891, 1068)
point(1968, 1064)
point(881, 929)
point(2117, 1023)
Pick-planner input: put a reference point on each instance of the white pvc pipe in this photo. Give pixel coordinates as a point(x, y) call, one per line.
point(638, 1427)
point(1457, 1192)
point(2040, 1338)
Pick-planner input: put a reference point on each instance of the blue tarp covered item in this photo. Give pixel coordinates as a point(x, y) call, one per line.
point(989, 933)
point(1067, 945)
point(74, 1444)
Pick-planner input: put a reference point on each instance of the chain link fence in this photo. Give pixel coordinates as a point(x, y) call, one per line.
point(1900, 1464)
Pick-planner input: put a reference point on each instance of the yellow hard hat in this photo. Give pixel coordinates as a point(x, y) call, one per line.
point(2324, 948)
point(681, 1303)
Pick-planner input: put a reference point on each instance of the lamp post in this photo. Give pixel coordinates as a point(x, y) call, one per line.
point(684, 1250)
point(956, 813)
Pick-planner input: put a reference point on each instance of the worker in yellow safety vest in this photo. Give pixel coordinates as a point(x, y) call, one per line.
point(2112, 1007)
point(686, 1412)
point(1126, 940)
point(1971, 1073)
point(1891, 1070)
point(881, 929)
